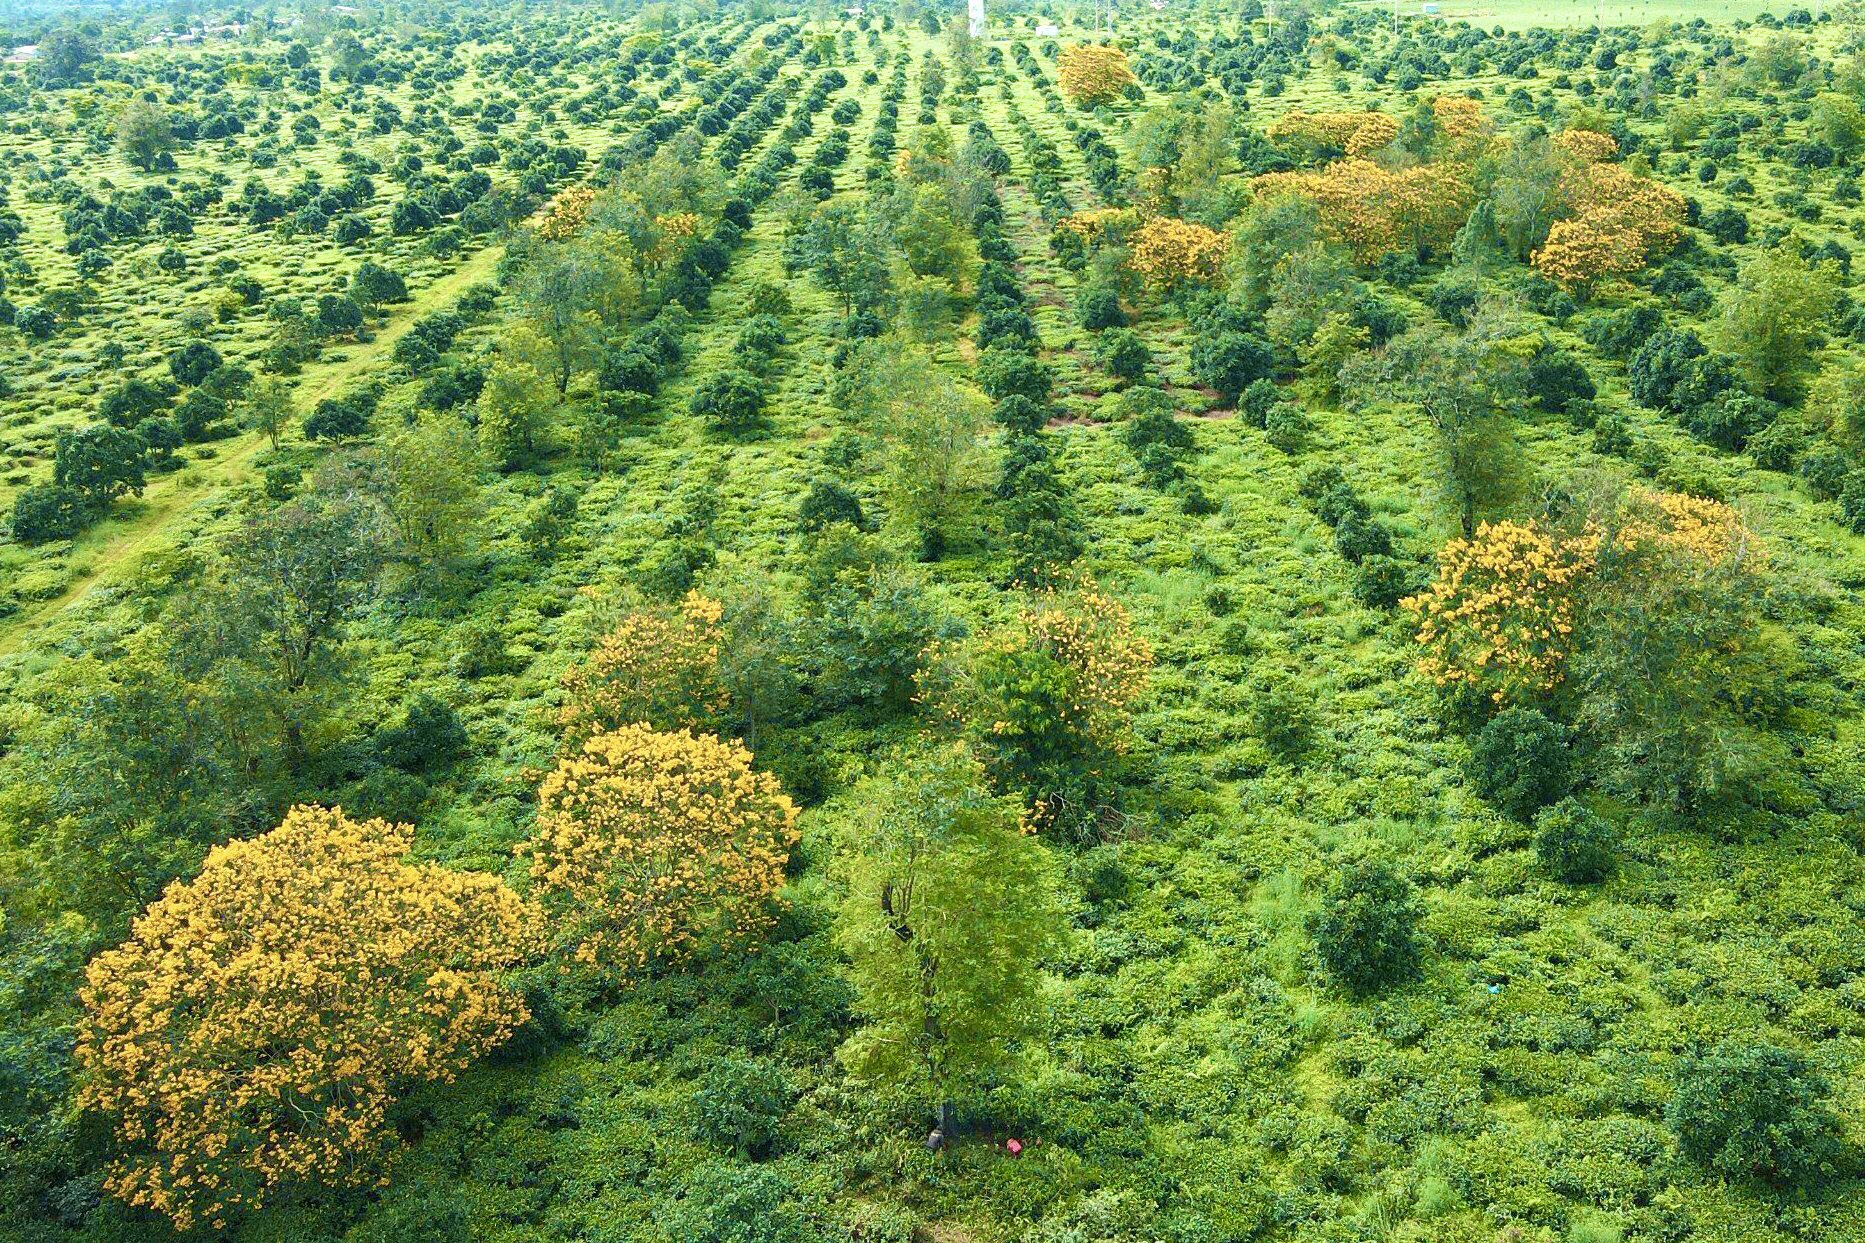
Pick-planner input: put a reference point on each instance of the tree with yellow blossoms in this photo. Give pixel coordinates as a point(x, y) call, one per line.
point(657, 667)
point(1498, 618)
point(651, 844)
point(1619, 223)
point(1375, 210)
point(1168, 253)
point(1586, 145)
point(566, 214)
point(1094, 73)
point(1048, 700)
point(1639, 622)
point(1326, 135)
point(250, 1036)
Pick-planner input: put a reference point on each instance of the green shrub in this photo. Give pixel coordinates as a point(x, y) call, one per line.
point(428, 736)
point(829, 502)
point(1231, 361)
point(1519, 762)
point(1382, 581)
point(1098, 307)
point(1755, 1112)
point(739, 1104)
point(1124, 355)
point(1006, 372)
point(1366, 929)
point(1286, 427)
point(1574, 843)
point(730, 401)
point(726, 1203)
point(1257, 400)
point(47, 511)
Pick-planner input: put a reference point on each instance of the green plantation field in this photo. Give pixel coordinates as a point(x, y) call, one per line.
point(1565, 14)
point(737, 624)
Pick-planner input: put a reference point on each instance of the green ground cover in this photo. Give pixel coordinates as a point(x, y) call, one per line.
point(1198, 1071)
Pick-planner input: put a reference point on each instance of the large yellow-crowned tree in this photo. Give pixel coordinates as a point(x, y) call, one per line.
point(649, 844)
point(1094, 73)
point(252, 1032)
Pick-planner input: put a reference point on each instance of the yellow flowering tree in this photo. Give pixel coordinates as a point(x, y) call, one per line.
point(1375, 210)
point(1317, 134)
point(657, 667)
point(649, 844)
point(1459, 117)
point(252, 1032)
point(565, 214)
point(1620, 222)
point(1049, 700)
point(1094, 73)
point(1167, 252)
point(1509, 606)
point(1499, 615)
point(1587, 145)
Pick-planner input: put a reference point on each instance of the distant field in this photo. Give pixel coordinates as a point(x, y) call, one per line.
point(1517, 14)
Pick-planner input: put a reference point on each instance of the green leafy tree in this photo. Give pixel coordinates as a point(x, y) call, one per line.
point(560, 288)
point(518, 394)
point(291, 582)
point(268, 408)
point(1774, 314)
point(847, 254)
point(99, 463)
point(1462, 383)
point(144, 135)
point(431, 493)
point(950, 912)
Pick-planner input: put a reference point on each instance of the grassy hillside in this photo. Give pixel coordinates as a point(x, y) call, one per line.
point(1197, 1069)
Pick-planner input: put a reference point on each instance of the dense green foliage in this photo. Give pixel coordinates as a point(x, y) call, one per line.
point(1314, 714)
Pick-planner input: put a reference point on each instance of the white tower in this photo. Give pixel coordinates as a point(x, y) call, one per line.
point(977, 19)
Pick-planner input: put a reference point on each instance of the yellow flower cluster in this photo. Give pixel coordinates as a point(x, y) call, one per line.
point(1500, 613)
point(1708, 530)
point(1168, 252)
point(566, 213)
point(1458, 116)
point(1099, 222)
point(1088, 631)
point(650, 843)
point(1094, 73)
point(254, 1029)
point(1621, 222)
point(1587, 145)
point(1356, 133)
point(656, 666)
point(1376, 211)
point(672, 232)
